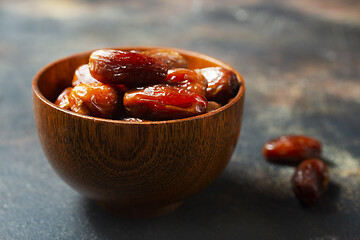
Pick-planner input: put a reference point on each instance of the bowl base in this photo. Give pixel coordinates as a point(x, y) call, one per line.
point(138, 211)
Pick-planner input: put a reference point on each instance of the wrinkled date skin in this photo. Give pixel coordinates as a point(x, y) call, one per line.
point(171, 58)
point(97, 99)
point(310, 181)
point(63, 99)
point(163, 102)
point(222, 84)
point(291, 149)
point(128, 68)
point(82, 75)
point(187, 79)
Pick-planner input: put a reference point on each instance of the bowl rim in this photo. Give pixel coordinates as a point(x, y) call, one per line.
point(239, 95)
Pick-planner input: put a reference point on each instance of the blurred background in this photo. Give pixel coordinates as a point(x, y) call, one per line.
point(301, 64)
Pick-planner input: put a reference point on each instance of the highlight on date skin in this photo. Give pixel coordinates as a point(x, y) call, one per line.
point(150, 85)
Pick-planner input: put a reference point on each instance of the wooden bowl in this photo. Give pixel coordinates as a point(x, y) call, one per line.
point(134, 169)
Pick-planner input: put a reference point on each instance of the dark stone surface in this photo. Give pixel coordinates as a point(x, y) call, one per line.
point(302, 70)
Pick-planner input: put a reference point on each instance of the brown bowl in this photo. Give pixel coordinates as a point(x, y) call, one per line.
point(134, 169)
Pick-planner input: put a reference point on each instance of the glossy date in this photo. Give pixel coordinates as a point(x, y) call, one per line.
point(163, 102)
point(291, 149)
point(172, 59)
point(96, 99)
point(222, 84)
point(82, 75)
point(63, 99)
point(125, 67)
point(187, 79)
point(310, 181)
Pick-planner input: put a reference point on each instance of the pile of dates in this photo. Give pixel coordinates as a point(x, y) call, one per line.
point(311, 177)
point(152, 85)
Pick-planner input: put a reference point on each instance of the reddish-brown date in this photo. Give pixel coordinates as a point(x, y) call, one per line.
point(128, 68)
point(96, 99)
point(163, 102)
point(172, 59)
point(291, 149)
point(82, 75)
point(222, 84)
point(63, 99)
point(187, 79)
point(310, 180)
point(212, 106)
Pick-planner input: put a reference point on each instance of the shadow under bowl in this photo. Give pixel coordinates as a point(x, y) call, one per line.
point(134, 169)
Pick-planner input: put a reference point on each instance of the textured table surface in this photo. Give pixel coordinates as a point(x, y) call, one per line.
point(301, 63)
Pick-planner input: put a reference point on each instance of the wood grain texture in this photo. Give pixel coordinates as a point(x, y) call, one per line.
point(134, 169)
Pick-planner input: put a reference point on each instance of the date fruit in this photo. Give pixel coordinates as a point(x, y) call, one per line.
point(96, 99)
point(187, 79)
point(310, 180)
point(128, 68)
point(163, 102)
point(172, 59)
point(82, 75)
point(291, 149)
point(63, 99)
point(222, 84)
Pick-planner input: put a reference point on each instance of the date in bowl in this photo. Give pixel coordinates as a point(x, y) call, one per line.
point(134, 169)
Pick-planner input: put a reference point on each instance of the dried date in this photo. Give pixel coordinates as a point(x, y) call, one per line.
point(310, 180)
point(128, 68)
point(172, 59)
point(222, 84)
point(82, 75)
point(97, 99)
point(163, 102)
point(63, 99)
point(291, 149)
point(187, 79)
